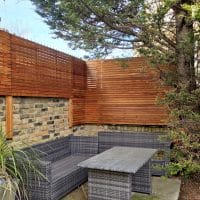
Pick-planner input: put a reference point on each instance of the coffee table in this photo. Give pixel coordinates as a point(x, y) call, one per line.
point(115, 173)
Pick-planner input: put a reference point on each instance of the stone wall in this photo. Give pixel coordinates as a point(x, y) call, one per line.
point(2, 113)
point(93, 129)
point(36, 120)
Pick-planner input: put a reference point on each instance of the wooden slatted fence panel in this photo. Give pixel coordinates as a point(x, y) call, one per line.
point(31, 69)
point(5, 64)
point(92, 97)
point(79, 84)
point(38, 70)
point(124, 92)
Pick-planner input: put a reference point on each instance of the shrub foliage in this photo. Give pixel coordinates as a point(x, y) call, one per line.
point(184, 131)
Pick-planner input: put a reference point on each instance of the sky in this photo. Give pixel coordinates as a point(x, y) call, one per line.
point(19, 17)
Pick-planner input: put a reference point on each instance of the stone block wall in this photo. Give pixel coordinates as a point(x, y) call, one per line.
point(38, 119)
point(94, 129)
point(2, 113)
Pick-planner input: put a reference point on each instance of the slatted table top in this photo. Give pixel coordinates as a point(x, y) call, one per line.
point(121, 159)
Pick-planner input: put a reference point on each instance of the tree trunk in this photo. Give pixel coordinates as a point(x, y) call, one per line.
point(185, 50)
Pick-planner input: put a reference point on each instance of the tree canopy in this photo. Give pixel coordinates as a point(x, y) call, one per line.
point(104, 25)
point(160, 29)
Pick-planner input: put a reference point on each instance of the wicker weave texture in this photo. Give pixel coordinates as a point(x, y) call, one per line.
point(107, 140)
point(59, 164)
point(38, 187)
point(142, 181)
point(84, 145)
point(108, 185)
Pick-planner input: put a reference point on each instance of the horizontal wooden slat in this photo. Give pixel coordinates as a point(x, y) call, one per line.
point(117, 95)
point(30, 69)
point(5, 64)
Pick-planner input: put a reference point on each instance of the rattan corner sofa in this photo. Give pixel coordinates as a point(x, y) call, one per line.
point(58, 162)
point(59, 159)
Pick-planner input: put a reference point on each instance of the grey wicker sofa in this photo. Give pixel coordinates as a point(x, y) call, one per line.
point(59, 159)
point(107, 140)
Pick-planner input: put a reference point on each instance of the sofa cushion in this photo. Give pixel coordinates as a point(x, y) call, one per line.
point(66, 166)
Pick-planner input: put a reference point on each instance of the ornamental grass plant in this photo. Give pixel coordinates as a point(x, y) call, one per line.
point(15, 165)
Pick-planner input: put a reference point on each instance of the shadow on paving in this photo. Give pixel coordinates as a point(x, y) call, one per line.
point(163, 189)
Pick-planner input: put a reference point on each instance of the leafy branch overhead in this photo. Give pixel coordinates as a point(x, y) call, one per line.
point(104, 25)
point(155, 28)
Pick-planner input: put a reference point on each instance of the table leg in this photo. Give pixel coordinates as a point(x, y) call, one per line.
point(142, 181)
point(108, 185)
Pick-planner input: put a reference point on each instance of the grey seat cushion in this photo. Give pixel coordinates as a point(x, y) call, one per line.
point(65, 166)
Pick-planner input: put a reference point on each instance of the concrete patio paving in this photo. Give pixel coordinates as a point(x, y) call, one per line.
point(163, 189)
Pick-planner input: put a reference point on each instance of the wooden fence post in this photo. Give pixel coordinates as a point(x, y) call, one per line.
point(9, 117)
point(70, 113)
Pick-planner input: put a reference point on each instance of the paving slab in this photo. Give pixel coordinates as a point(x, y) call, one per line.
point(163, 189)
